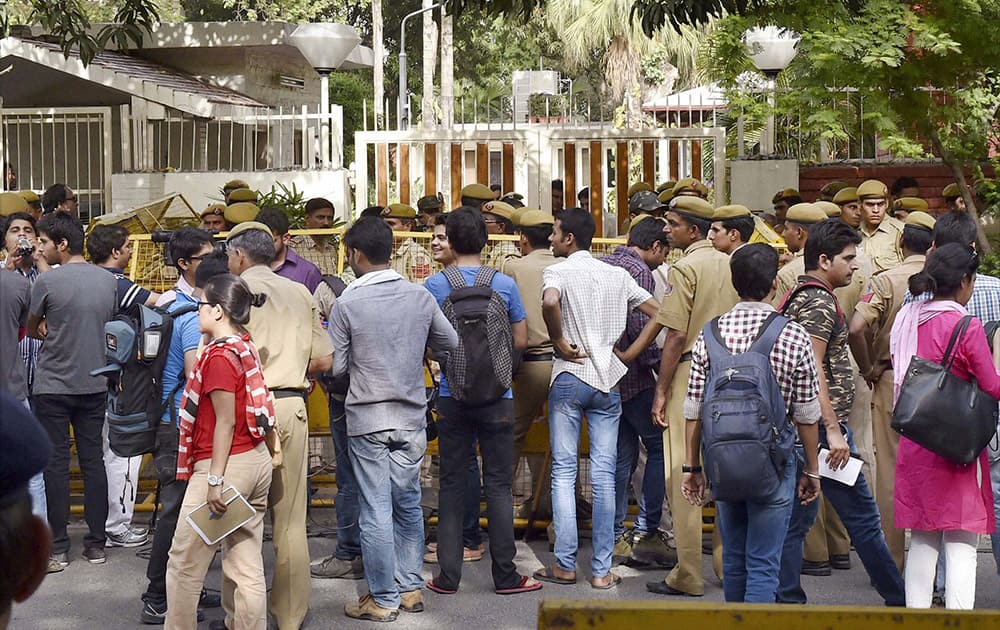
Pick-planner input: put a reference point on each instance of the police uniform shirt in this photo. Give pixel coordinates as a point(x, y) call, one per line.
point(527, 274)
point(324, 257)
point(882, 244)
point(412, 261)
point(699, 288)
point(278, 329)
point(788, 276)
point(883, 299)
point(501, 252)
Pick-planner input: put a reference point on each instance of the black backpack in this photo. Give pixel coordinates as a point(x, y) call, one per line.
point(481, 369)
point(136, 343)
point(335, 385)
point(991, 329)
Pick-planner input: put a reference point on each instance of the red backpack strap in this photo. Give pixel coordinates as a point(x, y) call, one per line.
point(804, 285)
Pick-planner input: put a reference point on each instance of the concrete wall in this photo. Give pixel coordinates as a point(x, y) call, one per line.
point(201, 189)
point(753, 183)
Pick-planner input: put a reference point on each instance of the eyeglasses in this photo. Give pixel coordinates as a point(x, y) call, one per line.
point(200, 304)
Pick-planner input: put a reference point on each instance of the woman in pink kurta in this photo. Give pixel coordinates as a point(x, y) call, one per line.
point(939, 500)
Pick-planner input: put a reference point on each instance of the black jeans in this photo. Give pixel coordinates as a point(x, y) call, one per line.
point(459, 427)
point(85, 412)
point(171, 498)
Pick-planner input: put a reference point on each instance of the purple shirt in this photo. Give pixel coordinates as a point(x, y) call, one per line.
point(639, 377)
point(298, 269)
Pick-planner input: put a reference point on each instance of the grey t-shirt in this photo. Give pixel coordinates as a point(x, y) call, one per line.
point(76, 301)
point(15, 296)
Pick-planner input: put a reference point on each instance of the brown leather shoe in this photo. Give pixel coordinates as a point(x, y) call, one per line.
point(367, 609)
point(411, 602)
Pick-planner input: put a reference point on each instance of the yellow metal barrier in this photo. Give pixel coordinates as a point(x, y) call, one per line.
point(617, 615)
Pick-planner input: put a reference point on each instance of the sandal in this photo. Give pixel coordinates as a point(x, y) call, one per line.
point(546, 574)
point(522, 587)
point(615, 581)
point(438, 589)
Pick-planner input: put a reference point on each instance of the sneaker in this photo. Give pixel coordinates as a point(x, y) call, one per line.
point(367, 609)
point(58, 562)
point(841, 562)
point(129, 538)
point(153, 615)
point(209, 599)
point(411, 602)
point(335, 568)
point(95, 555)
point(653, 549)
point(623, 549)
point(469, 554)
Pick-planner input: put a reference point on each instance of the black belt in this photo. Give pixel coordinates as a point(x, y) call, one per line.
point(537, 357)
point(685, 357)
point(288, 392)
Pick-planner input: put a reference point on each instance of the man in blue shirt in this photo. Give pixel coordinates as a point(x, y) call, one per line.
point(460, 425)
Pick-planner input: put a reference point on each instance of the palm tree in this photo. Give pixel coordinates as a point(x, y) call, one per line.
point(379, 69)
point(447, 71)
point(428, 115)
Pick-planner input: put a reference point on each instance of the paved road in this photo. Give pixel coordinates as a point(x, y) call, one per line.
point(106, 597)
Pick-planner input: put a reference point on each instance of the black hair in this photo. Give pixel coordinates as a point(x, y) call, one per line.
point(754, 268)
point(215, 264)
point(955, 227)
point(496, 187)
point(791, 201)
point(257, 245)
point(917, 240)
point(744, 225)
point(647, 232)
point(318, 203)
point(557, 184)
point(61, 226)
point(703, 225)
point(371, 211)
point(187, 242)
point(103, 240)
point(466, 231)
point(830, 238)
point(580, 224)
point(475, 204)
point(234, 296)
point(537, 235)
point(441, 218)
point(17, 545)
point(903, 182)
point(17, 216)
point(945, 269)
point(583, 194)
point(275, 219)
point(53, 196)
point(372, 237)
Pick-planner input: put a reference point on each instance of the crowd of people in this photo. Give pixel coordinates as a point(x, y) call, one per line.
point(647, 353)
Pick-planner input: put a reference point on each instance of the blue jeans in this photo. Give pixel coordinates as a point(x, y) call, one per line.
point(570, 399)
point(36, 488)
point(346, 502)
point(637, 424)
point(857, 510)
point(752, 536)
point(387, 468)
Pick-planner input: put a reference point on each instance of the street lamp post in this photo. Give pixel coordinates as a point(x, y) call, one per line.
point(325, 46)
point(403, 113)
point(771, 49)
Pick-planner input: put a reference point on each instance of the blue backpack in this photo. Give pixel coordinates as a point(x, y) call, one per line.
point(746, 436)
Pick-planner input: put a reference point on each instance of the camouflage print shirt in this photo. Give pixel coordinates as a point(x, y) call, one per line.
point(412, 261)
point(819, 313)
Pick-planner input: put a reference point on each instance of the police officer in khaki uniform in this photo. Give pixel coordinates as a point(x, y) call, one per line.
point(213, 218)
point(732, 228)
point(239, 212)
point(690, 187)
point(34, 202)
point(475, 195)
point(798, 220)
point(830, 189)
point(869, 338)
point(288, 355)
point(902, 207)
point(831, 209)
point(700, 288)
point(850, 206)
point(953, 199)
point(241, 195)
point(411, 260)
point(498, 215)
point(230, 186)
point(531, 382)
point(879, 233)
point(429, 207)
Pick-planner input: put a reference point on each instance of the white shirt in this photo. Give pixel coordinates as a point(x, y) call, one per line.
point(596, 299)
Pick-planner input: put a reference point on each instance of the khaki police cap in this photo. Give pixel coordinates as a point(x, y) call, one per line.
point(920, 219)
point(846, 195)
point(733, 211)
point(478, 191)
point(246, 226)
point(787, 193)
point(665, 196)
point(218, 209)
point(241, 212)
point(831, 209)
point(636, 187)
point(430, 202)
point(951, 191)
point(515, 216)
point(667, 185)
point(242, 195)
point(832, 188)
point(399, 211)
point(533, 218)
point(694, 206)
point(690, 184)
point(233, 184)
point(636, 220)
point(806, 213)
point(872, 189)
point(29, 195)
point(499, 208)
point(912, 204)
point(11, 202)
point(512, 195)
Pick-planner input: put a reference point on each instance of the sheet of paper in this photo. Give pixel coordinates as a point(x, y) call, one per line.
point(213, 528)
point(848, 475)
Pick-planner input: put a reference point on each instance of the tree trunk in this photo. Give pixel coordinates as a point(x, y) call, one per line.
point(959, 174)
point(428, 113)
point(379, 69)
point(621, 77)
point(447, 71)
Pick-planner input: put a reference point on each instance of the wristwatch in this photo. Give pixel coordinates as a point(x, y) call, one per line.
point(215, 480)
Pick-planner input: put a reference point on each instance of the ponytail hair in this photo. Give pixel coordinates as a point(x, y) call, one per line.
point(233, 295)
point(944, 271)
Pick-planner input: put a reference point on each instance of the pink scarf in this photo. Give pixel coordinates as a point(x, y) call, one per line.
point(903, 338)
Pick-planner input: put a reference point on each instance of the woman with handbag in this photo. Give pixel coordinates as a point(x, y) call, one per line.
point(225, 417)
point(947, 505)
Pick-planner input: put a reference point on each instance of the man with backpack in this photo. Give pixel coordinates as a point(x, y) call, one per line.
point(830, 262)
point(476, 403)
point(752, 354)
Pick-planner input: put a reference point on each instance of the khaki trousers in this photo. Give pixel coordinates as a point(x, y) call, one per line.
point(687, 575)
point(886, 447)
point(827, 537)
point(531, 392)
point(288, 500)
point(245, 602)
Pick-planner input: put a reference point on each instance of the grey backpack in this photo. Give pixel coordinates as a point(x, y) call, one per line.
point(481, 369)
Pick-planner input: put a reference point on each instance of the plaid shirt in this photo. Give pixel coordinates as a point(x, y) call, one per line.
point(791, 357)
point(639, 377)
point(985, 301)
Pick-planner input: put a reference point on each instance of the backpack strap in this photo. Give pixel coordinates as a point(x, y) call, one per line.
point(484, 277)
point(714, 343)
point(812, 283)
point(454, 277)
point(336, 284)
point(768, 333)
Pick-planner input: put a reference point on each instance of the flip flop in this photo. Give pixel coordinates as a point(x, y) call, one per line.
point(545, 574)
point(439, 590)
point(522, 587)
point(615, 581)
